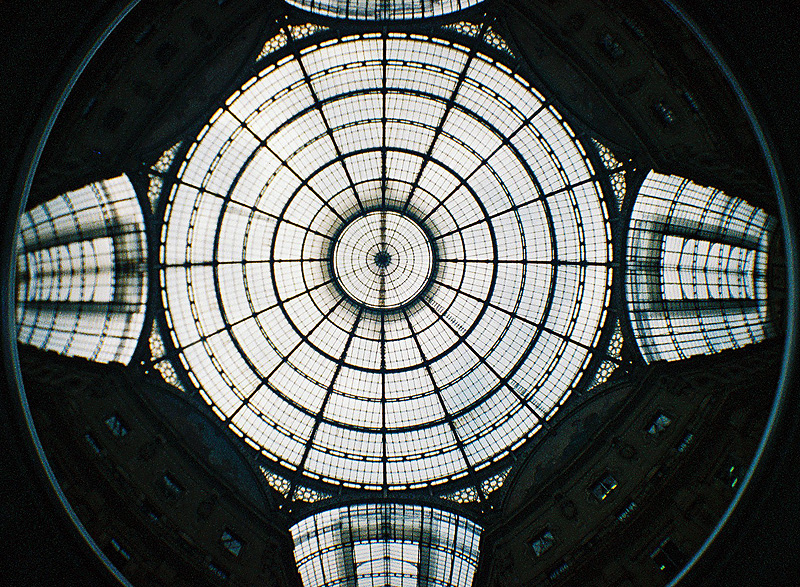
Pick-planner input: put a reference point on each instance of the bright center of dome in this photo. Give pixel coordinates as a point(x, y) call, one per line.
point(383, 260)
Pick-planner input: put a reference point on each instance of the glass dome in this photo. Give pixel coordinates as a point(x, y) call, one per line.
point(363, 301)
point(385, 260)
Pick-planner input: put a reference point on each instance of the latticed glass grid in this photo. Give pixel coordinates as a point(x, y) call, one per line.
point(615, 345)
point(158, 169)
point(309, 495)
point(610, 162)
point(81, 273)
point(386, 545)
point(277, 482)
point(468, 494)
point(493, 210)
point(383, 9)
point(302, 31)
point(617, 177)
point(273, 45)
point(696, 270)
point(159, 360)
point(469, 29)
point(604, 372)
point(494, 482)
point(619, 187)
point(612, 361)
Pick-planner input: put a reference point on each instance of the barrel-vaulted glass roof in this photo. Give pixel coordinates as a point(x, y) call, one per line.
point(383, 9)
point(385, 260)
point(696, 270)
point(82, 273)
point(386, 545)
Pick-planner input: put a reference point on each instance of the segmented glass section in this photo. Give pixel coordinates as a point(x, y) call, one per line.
point(387, 545)
point(696, 272)
point(82, 273)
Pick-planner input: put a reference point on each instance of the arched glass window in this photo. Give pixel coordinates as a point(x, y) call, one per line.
point(696, 274)
point(81, 273)
point(393, 545)
point(383, 9)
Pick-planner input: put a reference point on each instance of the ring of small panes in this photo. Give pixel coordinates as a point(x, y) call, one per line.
point(454, 369)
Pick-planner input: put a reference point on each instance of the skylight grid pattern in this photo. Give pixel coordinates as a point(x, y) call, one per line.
point(386, 545)
point(359, 262)
point(704, 270)
point(696, 270)
point(81, 273)
point(381, 9)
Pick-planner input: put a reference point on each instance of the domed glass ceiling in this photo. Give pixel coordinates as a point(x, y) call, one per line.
point(385, 260)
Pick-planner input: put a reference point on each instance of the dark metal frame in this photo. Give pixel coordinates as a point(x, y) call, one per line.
point(476, 44)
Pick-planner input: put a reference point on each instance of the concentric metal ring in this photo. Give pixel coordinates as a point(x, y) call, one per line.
point(383, 259)
point(388, 359)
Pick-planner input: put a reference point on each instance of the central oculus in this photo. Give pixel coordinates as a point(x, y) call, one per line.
point(382, 260)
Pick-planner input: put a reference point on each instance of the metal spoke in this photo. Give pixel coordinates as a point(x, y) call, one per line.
point(374, 261)
point(328, 128)
point(328, 392)
point(447, 416)
point(462, 76)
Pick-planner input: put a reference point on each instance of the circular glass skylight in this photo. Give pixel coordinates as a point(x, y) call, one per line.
point(382, 259)
point(385, 261)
